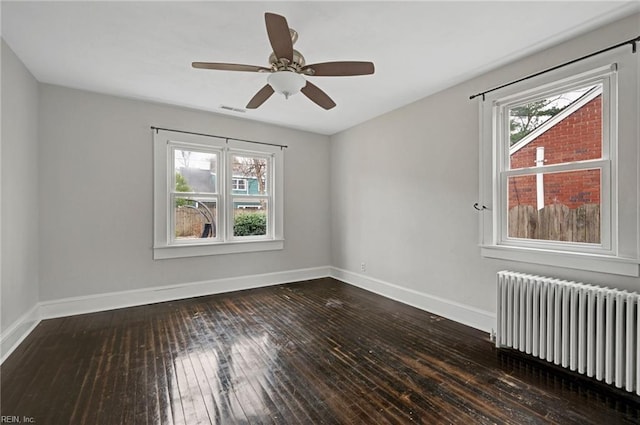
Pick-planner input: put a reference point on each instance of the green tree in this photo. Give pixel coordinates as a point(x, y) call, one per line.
point(526, 118)
point(182, 186)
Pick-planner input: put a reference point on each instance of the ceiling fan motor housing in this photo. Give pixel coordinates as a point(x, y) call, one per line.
point(284, 65)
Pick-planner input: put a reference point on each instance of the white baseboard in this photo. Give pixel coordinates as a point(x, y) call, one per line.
point(21, 328)
point(18, 331)
point(113, 300)
point(467, 315)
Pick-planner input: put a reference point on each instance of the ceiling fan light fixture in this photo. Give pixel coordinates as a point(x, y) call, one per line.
point(287, 83)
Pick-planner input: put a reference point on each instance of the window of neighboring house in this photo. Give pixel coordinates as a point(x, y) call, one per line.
point(197, 199)
point(550, 169)
point(239, 185)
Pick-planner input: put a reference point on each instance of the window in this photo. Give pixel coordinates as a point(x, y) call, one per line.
point(215, 196)
point(239, 185)
point(549, 170)
point(554, 157)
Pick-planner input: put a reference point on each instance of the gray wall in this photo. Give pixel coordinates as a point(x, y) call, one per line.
point(96, 196)
point(19, 185)
point(403, 186)
point(395, 192)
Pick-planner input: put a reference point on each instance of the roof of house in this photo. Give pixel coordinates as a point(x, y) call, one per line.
point(550, 123)
point(199, 180)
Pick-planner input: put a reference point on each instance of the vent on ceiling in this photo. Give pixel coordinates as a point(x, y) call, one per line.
point(232, 109)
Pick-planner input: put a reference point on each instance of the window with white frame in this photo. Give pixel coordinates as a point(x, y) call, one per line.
point(239, 184)
point(203, 208)
point(553, 167)
point(549, 174)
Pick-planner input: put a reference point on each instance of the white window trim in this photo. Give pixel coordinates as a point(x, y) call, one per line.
point(619, 254)
point(164, 246)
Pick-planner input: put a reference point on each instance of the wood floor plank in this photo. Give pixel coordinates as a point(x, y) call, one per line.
point(313, 352)
point(339, 412)
point(231, 406)
point(174, 370)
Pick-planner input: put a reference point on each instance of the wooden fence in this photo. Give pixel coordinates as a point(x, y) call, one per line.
point(189, 223)
point(556, 222)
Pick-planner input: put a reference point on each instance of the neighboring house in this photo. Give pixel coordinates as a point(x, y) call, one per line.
point(204, 181)
point(574, 134)
point(245, 185)
point(199, 180)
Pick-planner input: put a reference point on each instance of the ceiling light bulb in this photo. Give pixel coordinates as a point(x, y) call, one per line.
point(286, 82)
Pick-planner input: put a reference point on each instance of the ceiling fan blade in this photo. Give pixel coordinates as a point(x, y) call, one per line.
point(229, 67)
point(339, 69)
point(260, 97)
point(317, 96)
point(279, 36)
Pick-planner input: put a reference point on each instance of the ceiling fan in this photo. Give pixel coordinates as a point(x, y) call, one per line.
point(288, 68)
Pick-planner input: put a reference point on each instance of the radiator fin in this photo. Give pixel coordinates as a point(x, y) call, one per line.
point(589, 329)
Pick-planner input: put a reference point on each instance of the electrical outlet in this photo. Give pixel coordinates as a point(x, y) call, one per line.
point(363, 267)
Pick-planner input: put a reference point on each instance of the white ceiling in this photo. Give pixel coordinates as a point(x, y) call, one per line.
point(144, 49)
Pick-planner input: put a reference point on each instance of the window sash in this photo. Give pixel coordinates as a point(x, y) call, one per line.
point(605, 244)
point(172, 147)
point(604, 76)
point(173, 240)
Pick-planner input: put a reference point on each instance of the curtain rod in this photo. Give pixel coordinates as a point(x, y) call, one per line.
point(633, 43)
point(219, 137)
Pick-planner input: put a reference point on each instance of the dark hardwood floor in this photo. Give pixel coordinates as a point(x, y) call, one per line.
point(315, 352)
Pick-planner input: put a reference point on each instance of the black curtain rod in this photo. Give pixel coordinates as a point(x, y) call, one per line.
point(219, 137)
point(633, 43)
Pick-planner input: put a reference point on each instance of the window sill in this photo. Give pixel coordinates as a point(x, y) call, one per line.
point(580, 261)
point(181, 251)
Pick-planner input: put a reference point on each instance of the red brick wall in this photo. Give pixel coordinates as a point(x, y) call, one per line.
point(577, 137)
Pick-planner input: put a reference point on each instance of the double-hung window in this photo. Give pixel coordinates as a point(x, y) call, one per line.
point(550, 174)
point(215, 196)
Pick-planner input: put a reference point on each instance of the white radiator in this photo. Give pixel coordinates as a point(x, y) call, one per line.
point(589, 329)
